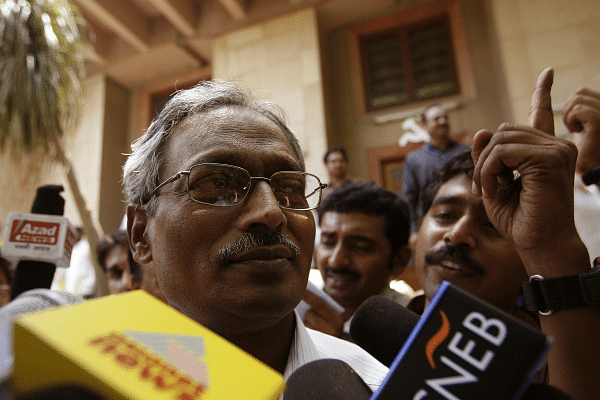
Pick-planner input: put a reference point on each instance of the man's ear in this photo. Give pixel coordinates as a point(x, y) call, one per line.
point(401, 260)
point(137, 224)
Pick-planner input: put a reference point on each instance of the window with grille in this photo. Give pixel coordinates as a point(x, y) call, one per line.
point(406, 60)
point(407, 64)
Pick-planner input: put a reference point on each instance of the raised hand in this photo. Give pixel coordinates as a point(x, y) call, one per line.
point(525, 175)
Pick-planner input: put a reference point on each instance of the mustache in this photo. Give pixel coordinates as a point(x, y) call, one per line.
point(252, 240)
point(456, 254)
point(341, 271)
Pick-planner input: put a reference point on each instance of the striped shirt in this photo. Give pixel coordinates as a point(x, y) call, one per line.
point(310, 345)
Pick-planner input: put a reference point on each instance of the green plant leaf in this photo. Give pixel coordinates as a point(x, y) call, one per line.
point(41, 64)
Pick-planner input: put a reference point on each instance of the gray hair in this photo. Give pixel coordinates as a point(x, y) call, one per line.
point(141, 171)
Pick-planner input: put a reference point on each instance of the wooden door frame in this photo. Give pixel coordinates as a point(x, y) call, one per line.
point(378, 156)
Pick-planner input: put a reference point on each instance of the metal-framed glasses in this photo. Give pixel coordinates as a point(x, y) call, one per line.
point(224, 185)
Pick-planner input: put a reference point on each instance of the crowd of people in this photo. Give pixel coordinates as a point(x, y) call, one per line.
point(219, 225)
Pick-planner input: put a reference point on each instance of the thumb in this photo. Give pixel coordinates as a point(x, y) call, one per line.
point(540, 114)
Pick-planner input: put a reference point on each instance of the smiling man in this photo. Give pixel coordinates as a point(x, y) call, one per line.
point(363, 245)
point(220, 203)
point(457, 242)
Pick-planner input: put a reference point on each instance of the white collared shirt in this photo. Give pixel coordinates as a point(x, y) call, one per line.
point(310, 345)
point(587, 215)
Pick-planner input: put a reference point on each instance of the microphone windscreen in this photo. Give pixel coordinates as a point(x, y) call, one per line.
point(63, 393)
point(326, 379)
point(48, 200)
point(542, 391)
point(31, 274)
point(381, 327)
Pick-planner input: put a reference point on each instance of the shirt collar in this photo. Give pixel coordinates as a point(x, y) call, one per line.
point(302, 350)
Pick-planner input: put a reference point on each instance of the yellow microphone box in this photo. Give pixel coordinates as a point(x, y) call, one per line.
point(132, 346)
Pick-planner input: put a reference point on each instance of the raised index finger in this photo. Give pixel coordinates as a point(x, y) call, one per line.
point(540, 114)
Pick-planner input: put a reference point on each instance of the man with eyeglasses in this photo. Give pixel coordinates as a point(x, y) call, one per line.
point(220, 203)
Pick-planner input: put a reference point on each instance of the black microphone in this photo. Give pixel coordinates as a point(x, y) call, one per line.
point(31, 274)
point(326, 379)
point(592, 176)
point(542, 391)
point(381, 327)
point(63, 393)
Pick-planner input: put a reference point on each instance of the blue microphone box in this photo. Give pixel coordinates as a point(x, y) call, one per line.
point(464, 348)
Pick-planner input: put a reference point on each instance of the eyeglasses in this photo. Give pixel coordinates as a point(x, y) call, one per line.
point(225, 185)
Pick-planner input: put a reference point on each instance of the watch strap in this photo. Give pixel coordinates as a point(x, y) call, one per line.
point(547, 295)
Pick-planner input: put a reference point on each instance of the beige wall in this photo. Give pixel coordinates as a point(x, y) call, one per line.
point(115, 145)
point(535, 34)
point(280, 61)
point(18, 184)
point(358, 134)
point(86, 148)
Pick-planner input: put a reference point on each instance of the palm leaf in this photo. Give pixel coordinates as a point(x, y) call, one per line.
point(41, 63)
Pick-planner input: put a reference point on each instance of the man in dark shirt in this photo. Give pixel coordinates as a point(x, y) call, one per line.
point(419, 164)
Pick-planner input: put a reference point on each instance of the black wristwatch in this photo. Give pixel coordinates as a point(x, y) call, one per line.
point(552, 294)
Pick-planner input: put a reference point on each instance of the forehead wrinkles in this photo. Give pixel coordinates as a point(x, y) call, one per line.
point(234, 131)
